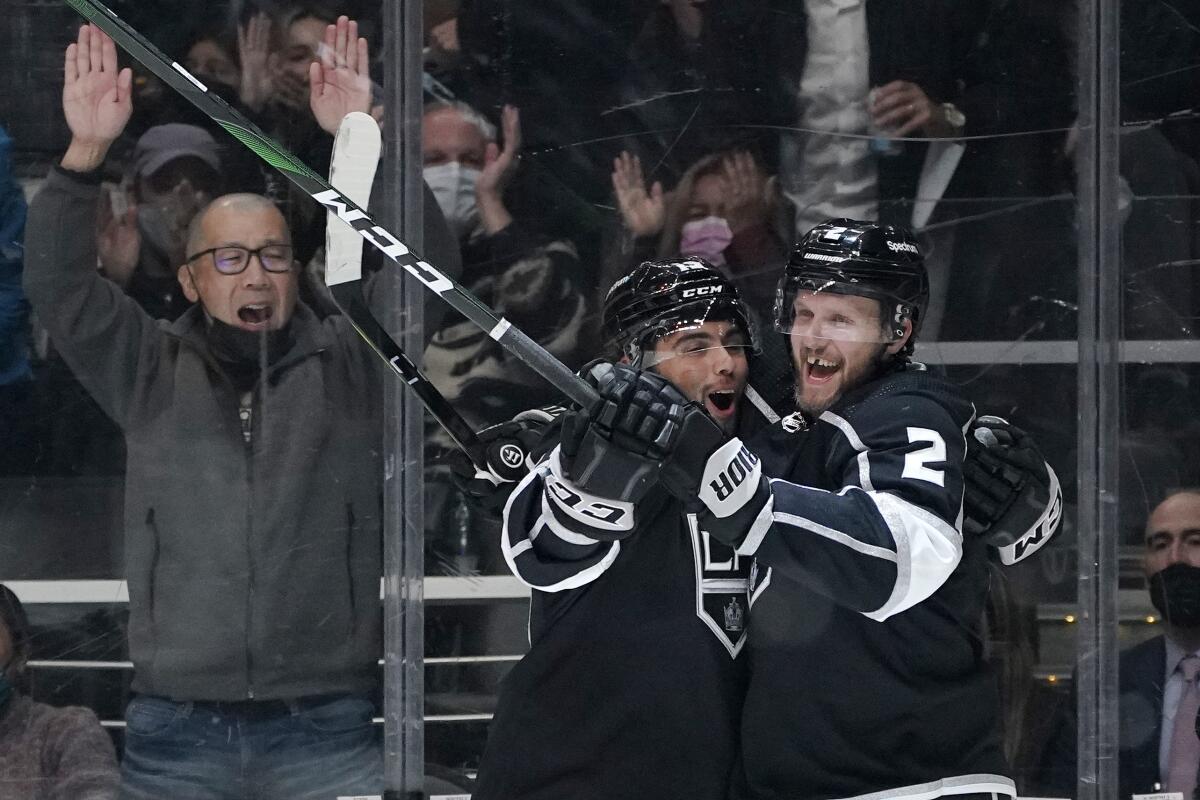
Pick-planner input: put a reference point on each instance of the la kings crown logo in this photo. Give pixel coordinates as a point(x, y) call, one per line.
point(734, 617)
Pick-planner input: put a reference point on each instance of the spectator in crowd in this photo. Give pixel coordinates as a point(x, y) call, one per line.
point(851, 69)
point(176, 171)
point(212, 58)
point(45, 752)
point(724, 209)
point(536, 283)
point(1158, 748)
point(252, 489)
point(304, 35)
point(15, 375)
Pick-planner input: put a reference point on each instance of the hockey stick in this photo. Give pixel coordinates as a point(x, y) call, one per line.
point(356, 150)
point(347, 294)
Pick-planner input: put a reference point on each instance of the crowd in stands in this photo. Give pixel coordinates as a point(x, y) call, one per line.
point(563, 143)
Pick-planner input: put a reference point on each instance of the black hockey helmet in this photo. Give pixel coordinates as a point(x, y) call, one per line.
point(847, 256)
point(658, 298)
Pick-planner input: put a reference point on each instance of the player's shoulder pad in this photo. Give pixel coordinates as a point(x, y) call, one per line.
point(905, 396)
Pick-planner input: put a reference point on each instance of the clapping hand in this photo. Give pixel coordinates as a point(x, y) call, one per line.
point(254, 52)
point(339, 82)
point(499, 165)
point(642, 212)
point(747, 186)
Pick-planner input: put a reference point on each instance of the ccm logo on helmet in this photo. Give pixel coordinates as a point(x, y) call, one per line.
point(701, 291)
point(902, 247)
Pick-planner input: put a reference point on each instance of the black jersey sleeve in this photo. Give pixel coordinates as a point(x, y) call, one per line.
point(555, 535)
point(890, 535)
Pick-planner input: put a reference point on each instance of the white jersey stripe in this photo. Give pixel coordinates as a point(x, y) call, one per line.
point(928, 550)
point(864, 462)
point(946, 787)
point(837, 536)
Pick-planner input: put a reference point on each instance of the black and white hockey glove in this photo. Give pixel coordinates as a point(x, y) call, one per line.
point(615, 449)
point(511, 449)
point(1011, 496)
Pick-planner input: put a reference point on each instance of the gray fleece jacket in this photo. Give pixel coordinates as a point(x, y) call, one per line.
point(252, 523)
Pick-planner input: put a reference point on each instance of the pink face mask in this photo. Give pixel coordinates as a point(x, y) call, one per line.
point(706, 238)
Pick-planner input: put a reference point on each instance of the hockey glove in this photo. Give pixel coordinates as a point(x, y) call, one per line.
point(511, 449)
point(1011, 496)
point(611, 449)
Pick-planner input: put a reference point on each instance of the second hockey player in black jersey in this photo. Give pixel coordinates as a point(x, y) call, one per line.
point(868, 676)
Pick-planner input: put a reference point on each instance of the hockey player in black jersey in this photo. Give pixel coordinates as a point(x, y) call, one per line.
point(633, 683)
point(869, 678)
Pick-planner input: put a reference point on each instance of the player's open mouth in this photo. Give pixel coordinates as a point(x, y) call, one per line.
point(720, 403)
point(255, 315)
point(819, 369)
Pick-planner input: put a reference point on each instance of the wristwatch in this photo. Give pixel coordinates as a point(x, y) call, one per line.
point(954, 118)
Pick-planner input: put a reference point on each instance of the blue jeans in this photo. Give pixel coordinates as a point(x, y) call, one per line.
point(316, 748)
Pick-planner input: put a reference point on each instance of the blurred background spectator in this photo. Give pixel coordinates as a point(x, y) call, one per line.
point(1158, 750)
point(536, 282)
point(725, 208)
point(16, 376)
point(45, 752)
point(175, 172)
point(533, 280)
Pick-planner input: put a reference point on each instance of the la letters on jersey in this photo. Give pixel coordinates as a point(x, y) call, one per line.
point(722, 588)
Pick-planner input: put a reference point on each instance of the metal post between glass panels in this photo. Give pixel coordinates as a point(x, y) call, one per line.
point(404, 553)
point(1099, 396)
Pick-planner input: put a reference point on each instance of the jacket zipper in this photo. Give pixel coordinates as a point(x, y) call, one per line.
point(350, 534)
point(246, 416)
point(152, 526)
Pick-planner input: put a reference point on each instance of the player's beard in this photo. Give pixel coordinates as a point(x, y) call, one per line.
point(852, 376)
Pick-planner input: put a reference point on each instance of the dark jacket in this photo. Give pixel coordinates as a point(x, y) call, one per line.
point(1140, 686)
point(926, 42)
point(252, 531)
point(14, 311)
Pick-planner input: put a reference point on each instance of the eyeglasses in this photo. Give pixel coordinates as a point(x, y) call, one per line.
point(230, 260)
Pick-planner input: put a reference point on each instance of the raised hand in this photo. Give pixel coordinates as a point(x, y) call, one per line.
point(642, 212)
point(254, 52)
point(340, 82)
point(118, 241)
point(747, 186)
point(96, 98)
point(498, 169)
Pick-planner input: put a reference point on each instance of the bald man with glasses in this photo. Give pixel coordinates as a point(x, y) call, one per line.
point(253, 489)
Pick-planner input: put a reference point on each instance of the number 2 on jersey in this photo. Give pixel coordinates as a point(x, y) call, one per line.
point(915, 462)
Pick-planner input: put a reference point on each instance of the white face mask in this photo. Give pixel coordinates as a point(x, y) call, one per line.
point(454, 187)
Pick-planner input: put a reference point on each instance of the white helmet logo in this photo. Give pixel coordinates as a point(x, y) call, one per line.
point(511, 455)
